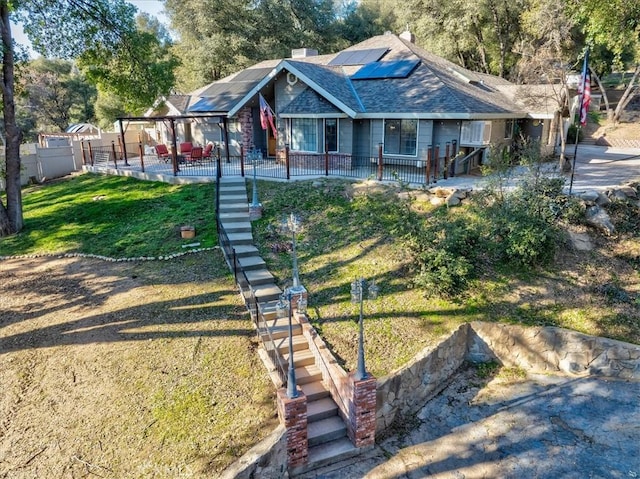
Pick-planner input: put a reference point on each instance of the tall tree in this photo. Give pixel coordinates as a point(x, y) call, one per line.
point(97, 31)
point(615, 26)
point(546, 53)
point(57, 94)
point(219, 37)
point(364, 19)
point(477, 34)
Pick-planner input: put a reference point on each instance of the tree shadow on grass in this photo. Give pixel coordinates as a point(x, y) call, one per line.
point(187, 307)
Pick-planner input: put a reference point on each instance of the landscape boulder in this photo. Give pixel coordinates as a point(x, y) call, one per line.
point(599, 218)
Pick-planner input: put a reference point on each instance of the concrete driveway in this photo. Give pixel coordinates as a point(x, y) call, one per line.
point(597, 168)
point(542, 426)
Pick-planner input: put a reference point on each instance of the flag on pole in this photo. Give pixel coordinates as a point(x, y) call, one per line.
point(267, 116)
point(585, 90)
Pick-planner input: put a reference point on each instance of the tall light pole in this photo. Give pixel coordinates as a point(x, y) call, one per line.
point(285, 304)
point(292, 224)
point(358, 288)
point(255, 208)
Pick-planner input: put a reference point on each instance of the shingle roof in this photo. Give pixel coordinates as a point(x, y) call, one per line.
point(331, 79)
point(308, 101)
point(436, 86)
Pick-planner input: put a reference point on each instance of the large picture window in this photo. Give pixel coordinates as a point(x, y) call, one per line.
point(331, 134)
point(400, 137)
point(304, 134)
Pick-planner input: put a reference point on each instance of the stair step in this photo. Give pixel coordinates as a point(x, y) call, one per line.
point(234, 208)
point(240, 238)
point(326, 430)
point(236, 227)
point(227, 199)
point(308, 374)
point(239, 217)
point(303, 357)
point(233, 189)
point(259, 277)
point(232, 180)
point(299, 344)
point(321, 409)
point(244, 251)
point(280, 329)
point(269, 309)
point(267, 293)
point(314, 391)
point(250, 263)
point(326, 454)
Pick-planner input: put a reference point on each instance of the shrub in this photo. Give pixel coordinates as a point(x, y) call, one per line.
point(571, 134)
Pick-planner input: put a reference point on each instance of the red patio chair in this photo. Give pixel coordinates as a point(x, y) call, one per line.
point(195, 156)
point(185, 148)
point(162, 152)
point(206, 154)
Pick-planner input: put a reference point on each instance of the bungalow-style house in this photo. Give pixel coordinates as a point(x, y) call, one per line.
point(382, 96)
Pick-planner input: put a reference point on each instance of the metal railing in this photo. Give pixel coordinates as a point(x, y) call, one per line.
point(248, 294)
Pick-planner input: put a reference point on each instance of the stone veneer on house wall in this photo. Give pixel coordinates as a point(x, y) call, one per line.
point(245, 118)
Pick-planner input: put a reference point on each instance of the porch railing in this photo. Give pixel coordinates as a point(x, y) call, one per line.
point(437, 163)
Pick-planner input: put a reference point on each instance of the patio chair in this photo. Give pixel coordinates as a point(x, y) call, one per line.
point(195, 156)
point(162, 152)
point(206, 154)
point(185, 148)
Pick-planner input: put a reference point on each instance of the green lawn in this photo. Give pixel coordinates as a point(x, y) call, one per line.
point(112, 216)
point(349, 232)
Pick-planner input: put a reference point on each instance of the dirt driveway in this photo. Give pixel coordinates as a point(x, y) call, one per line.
point(133, 369)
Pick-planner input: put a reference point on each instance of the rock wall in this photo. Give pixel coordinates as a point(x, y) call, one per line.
point(546, 349)
point(268, 458)
point(554, 350)
point(406, 390)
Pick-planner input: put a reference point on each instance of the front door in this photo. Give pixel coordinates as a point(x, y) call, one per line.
point(361, 142)
point(271, 143)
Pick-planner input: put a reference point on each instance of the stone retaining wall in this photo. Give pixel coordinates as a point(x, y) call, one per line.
point(540, 349)
point(406, 390)
point(620, 143)
point(268, 458)
point(553, 349)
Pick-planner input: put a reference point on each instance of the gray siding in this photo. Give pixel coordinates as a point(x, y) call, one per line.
point(284, 94)
point(445, 132)
point(377, 136)
point(425, 138)
point(345, 135)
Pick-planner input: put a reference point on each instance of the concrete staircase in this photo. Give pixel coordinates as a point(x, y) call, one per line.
point(327, 433)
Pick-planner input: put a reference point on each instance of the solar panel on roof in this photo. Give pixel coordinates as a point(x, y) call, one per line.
point(252, 74)
point(358, 57)
point(384, 70)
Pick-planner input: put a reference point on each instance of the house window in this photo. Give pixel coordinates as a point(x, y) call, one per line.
point(475, 133)
point(331, 134)
point(304, 134)
point(508, 129)
point(400, 137)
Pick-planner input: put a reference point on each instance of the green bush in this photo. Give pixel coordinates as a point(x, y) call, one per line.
point(571, 134)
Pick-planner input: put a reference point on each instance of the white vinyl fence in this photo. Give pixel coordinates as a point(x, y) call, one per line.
point(40, 164)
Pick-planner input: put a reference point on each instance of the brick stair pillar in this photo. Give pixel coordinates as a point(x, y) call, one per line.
point(293, 414)
point(362, 411)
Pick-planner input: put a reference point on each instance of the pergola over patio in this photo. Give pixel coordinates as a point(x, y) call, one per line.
point(221, 120)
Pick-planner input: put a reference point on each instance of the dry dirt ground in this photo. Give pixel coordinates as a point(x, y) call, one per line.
point(126, 370)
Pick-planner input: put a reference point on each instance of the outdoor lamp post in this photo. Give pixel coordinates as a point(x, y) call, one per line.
point(358, 288)
point(284, 306)
point(254, 156)
point(291, 224)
